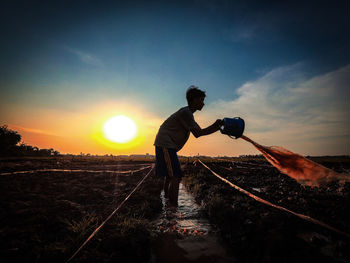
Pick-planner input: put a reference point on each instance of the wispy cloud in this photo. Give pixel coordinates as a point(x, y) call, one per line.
point(283, 107)
point(29, 130)
point(85, 57)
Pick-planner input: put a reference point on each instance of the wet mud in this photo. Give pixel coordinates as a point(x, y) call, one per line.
point(255, 232)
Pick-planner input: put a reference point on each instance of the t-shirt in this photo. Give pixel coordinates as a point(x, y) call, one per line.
point(175, 131)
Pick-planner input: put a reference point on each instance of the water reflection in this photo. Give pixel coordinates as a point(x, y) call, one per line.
point(186, 219)
point(185, 235)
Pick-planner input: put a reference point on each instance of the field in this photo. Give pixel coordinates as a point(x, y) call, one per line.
point(49, 211)
point(46, 216)
point(256, 232)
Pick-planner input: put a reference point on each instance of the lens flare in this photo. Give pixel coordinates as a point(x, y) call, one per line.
point(120, 129)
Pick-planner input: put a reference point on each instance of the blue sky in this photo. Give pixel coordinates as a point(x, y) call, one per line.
point(66, 56)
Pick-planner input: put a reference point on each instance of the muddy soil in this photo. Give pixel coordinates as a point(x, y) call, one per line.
point(255, 232)
point(46, 216)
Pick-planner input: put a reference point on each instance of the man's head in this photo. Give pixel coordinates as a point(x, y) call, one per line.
point(195, 98)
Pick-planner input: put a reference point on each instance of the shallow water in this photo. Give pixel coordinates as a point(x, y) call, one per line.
point(187, 218)
point(185, 235)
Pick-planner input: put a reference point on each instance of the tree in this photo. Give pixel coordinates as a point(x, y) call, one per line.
point(8, 140)
point(9, 145)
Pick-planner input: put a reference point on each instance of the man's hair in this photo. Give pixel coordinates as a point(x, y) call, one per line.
point(194, 92)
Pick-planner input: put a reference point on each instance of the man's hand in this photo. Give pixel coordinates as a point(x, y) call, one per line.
point(219, 123)
point(197, 132)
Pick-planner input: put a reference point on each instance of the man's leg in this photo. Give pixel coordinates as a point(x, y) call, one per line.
point(160, 183)
point(166, 185)
point(160, 169)
point(174, 190)
point(174, 174)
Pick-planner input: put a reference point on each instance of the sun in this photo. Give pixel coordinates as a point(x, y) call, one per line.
point(120, 129)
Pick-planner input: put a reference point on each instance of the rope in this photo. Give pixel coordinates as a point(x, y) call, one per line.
point(110, 216)
point(77, 170)
point(305, 217)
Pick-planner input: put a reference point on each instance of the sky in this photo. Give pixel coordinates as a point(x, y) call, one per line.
point(284, 67)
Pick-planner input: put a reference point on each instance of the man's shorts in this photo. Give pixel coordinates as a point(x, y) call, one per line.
point(167, 163)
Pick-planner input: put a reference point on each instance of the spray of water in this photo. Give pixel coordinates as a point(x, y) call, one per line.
point(303, 170)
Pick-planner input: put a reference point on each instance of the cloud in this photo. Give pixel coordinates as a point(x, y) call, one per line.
point(284, 107)
point(85, 57)
point(29, 130)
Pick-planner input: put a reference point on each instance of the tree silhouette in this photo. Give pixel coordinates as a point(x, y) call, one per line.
point(8, 140)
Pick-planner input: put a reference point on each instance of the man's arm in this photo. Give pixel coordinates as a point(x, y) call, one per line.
point(197, 131)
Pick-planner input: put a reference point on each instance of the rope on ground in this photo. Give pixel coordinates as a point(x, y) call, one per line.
point(110, 216)
point(305, 217)
point(77, 170)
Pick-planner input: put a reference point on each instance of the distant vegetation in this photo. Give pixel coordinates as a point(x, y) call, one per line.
point(11, 145)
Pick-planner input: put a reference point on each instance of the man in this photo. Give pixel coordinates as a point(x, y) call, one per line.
point(171, 137)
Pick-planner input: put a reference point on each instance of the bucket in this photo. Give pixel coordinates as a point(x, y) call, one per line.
point(233, 127)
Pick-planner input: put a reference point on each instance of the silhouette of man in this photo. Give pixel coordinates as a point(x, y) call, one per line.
point(172, 136)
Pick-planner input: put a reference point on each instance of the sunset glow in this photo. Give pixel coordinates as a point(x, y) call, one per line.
point(120, 129)
point(89, 63)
